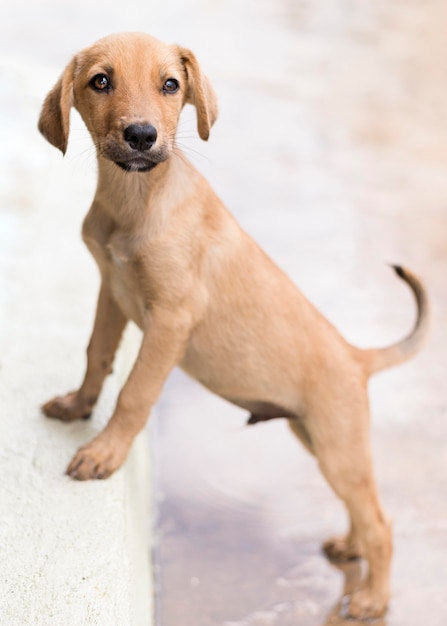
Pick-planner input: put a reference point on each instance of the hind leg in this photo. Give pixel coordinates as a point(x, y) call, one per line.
point(374, 538)
point(341, 548)
point(347, 465)
point(340, 441)
point(344, 547)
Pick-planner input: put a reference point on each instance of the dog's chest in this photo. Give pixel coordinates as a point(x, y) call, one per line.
point(119, 253)
point(125, 277)
point(120, 266)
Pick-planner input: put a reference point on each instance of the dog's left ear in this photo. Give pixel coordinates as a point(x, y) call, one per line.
point(199, 93)
point(54, 118)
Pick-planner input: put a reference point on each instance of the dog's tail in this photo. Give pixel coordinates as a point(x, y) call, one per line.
point(377, 359)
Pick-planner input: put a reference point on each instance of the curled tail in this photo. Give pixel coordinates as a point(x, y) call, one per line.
point(377, 359)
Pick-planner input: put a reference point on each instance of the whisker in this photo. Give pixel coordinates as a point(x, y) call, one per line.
point(181, 150)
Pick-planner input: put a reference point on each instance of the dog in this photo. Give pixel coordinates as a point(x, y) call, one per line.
point(206, 297)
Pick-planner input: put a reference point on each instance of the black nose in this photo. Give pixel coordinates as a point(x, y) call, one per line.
point(140, 136)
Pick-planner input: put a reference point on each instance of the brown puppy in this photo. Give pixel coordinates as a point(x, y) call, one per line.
point(173, 260)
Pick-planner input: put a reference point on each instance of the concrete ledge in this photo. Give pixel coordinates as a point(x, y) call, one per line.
point(70, 553)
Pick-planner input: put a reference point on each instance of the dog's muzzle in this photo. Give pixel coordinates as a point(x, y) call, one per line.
point(138, 152)
point(140, 138)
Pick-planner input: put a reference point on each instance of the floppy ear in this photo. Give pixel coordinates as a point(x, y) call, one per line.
point(199, 93)
point(54, 117)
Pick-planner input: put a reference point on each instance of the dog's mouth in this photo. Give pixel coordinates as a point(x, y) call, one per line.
point(134, 160)
point(137, 165)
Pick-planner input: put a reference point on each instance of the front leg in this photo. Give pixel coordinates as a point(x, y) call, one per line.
point(164, 342)
point(107, 331)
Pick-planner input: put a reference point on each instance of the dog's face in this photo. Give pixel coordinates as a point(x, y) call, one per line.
point(129, 89)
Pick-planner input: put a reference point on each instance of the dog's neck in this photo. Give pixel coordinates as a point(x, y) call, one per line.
point(133, 198)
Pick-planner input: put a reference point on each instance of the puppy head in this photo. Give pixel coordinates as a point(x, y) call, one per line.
point(129, 89)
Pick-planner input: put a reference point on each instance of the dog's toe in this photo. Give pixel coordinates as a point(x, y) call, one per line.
point(98, 459)
point(342, 549)
point(364, 605)
point(67, 408)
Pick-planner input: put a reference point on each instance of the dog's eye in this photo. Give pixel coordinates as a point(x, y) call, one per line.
point(171, 86)
point(100, 82)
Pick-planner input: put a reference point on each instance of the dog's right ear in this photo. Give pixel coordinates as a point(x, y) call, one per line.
point(54, 120)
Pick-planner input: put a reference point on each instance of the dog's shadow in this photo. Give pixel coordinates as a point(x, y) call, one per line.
point(352, 572)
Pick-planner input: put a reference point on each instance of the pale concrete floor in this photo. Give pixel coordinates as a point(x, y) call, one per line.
point(331, 150)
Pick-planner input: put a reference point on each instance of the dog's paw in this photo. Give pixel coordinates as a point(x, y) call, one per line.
point(365, 605)
point(97, 459)
point(69, 407)
point(342, 549)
